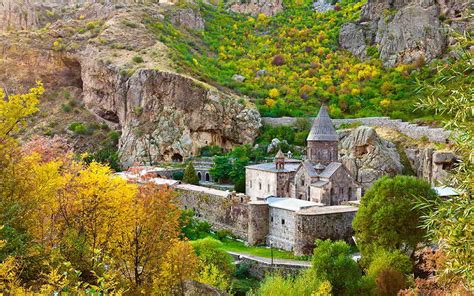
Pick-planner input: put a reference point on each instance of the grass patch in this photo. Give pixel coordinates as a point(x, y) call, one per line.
point(232, 245)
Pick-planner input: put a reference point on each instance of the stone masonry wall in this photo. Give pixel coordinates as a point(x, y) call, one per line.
point(223, 212)
point(411, 130)
point(332, 226)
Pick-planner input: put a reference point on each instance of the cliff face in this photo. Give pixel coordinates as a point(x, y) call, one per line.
point(125, 78)
point(405, 31)
point(367, 156)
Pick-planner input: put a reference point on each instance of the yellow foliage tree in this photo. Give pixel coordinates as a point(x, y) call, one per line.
point(179, 265)
point(149, 232)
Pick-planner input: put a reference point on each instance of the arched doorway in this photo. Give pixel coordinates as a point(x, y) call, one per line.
point(177, 157)
point(208, 178)
point(199, 176)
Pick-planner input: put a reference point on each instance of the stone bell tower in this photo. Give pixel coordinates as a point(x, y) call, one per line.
point(322, 140)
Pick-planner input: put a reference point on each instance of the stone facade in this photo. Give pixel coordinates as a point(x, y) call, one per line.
point(202, 167)
point(224, 210)
point(322, 223)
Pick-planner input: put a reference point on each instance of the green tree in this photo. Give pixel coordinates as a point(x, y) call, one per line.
point(387, 218)
point(221, 168)
point(333, 269)
point(190, 175)
point(237, 174)
point(332, 262)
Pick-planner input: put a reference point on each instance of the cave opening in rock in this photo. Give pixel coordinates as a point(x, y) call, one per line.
point(72, 74)
point(177, 157)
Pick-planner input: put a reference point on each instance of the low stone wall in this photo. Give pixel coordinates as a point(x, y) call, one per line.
point(259, 268)
point(224, 210)
point(410, 130)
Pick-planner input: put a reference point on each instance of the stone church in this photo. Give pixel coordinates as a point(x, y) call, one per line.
point(319, 178)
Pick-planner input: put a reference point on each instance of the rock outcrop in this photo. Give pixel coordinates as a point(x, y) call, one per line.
point(403, 31)
point(126, 79)
point(430, 164)
point(367, 156)
point(255, 7)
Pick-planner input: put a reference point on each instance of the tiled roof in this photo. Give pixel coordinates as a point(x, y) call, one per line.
point(310, 169)
point(330, 169)
point(319, 183)
point(323, 129)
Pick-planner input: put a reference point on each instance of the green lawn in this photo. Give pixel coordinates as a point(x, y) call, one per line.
point(231, 245)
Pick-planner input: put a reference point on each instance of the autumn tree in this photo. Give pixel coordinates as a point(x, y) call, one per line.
point(147, 234)
point(93, 208)
point(179, 265)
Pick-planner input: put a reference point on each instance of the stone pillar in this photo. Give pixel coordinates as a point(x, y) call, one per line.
point(258, 222)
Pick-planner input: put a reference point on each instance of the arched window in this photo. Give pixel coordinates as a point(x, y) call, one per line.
point(349, 193)
point(208, 178)
point(199, 176)
point(302, 181)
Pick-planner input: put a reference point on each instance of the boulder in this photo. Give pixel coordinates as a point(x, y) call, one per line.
point(322, 6)
point(188, 18)
point(255, 7)
point(367, 156)
point(238, 78)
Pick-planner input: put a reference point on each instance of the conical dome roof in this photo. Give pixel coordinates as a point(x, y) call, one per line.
point(323, 129)
point(280, 154)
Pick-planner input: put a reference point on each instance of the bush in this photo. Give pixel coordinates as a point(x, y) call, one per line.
point(210, 151)
point(223, 234)
point(191, 227)
point(79, 128)
point(178, 176)
point(278, 60)
point(137, 59)
point(66, 108)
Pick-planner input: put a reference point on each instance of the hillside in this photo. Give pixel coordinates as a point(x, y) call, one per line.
point(290, 63)
point(119, 72)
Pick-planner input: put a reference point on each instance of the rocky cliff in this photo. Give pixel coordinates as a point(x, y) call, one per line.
point(125, 78)
point(367, 156)
point(405, 31)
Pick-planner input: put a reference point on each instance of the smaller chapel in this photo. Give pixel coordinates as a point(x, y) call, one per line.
point(319, 178)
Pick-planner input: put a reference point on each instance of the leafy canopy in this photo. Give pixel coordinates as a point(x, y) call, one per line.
point(387, 218)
